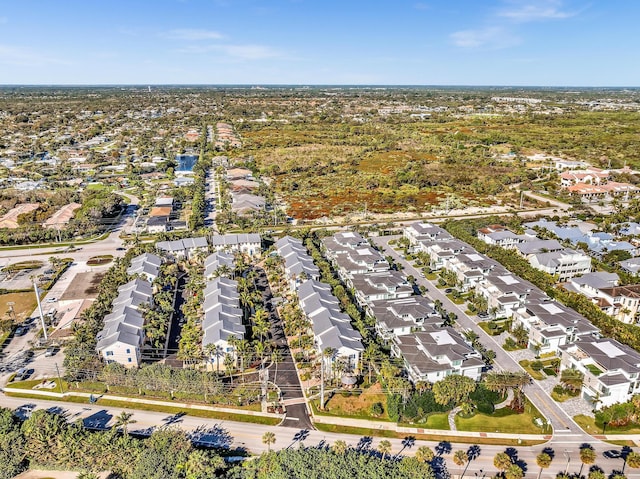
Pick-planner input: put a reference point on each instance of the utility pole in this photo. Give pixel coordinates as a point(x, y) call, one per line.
point(44, 326)
point(521, 199)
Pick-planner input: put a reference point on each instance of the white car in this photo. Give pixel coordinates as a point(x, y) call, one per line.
point(52, 300)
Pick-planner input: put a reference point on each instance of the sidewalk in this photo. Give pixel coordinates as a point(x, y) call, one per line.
point(201, 407)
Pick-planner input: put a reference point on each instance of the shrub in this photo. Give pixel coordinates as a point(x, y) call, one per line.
point(377, 409)
point(485, 407)
point(537, 366)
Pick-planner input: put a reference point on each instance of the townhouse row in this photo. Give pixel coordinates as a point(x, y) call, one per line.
point(552, 327)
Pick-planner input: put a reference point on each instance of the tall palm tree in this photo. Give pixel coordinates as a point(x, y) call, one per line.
point(268, 438)
point(514, 472)
point(544, 461)
point(502, 461)
point(276, 358)
point(123, 421)
point(461, 457)
point(384, 448)
point(587, 456)
point(502, 382)
point(424, 454)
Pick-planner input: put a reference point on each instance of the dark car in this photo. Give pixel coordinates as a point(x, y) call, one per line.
point(22, 374)
point(448, 291)
point(612, 454)
point(483, 315)
point(20, 331)
point(120, 249)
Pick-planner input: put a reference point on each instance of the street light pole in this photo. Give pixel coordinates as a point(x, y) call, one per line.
point(568, 456)
point(44, 326)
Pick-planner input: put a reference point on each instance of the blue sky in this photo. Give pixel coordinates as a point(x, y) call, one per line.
point(425, 42)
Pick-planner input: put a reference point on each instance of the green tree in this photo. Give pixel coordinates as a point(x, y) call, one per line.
point(339, 447)
point(587, 456)
point(384, 447)
point(268, 438)
point(543, 460)
point(453, 389)
point(424, 454)
point(502, 461)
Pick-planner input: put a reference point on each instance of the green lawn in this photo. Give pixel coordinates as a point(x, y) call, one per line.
point(503, 420)
point(434, 421)
point(590, 426)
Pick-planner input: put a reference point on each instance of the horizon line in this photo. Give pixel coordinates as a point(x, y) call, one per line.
point(310, 85)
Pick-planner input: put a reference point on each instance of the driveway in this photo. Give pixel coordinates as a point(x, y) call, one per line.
point(287, 378)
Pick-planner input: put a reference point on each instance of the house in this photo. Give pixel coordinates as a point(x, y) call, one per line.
point(248, 243)
point(219, 264)
point(611, 370)
point(146, 265)
point(331, 328)
point(621, 302)
point(351, 254)
point(238, 174)
point(631, 266)
point(503, 238)
point(164, 201)
point(122, 336)
point(435, 353)
point(419, 231)
point(160, 211)
point(184, 248)
point(562, 165)
point(158, 224)
point(62, 216)
point(551, 325)
point(396, 317)
point(380, 285)
point(10, 218)
point(298, 265)
point(222, 320)
point(563, 264)
point(589, 176)
point(247, 203)
point(529, 248)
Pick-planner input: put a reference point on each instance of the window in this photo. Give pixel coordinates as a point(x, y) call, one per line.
point(128, 351)
point(109, 353)
point(128, 360)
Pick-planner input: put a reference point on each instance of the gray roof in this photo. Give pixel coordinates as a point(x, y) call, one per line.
point(539, 246)
point(399, 313)
point(218, 260)
point(235, 239)
point(610, 355)
point(147, 263)
point(296, 258)
point(381, 282)
point(222, 314)
point(182, 245)
point(631, 265)
point(597, 280)
point(331, 327)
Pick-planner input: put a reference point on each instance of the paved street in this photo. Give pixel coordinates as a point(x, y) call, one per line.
point(562, 423)
point(249, 436)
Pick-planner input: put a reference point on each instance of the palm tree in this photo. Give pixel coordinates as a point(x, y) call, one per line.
point(228, 365)
point(502, 461)
point(502, 382)
point(461, 457)
point(339, 447)
point(424, 454)
point(123, 421)
point(384, 448)
point(544, 461)
point(633, 460)
point(587, 456)
point(214, 351)
point(268, 438)
point(513, 472)
point(276, 357)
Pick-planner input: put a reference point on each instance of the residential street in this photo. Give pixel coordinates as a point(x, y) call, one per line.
point(561, 422)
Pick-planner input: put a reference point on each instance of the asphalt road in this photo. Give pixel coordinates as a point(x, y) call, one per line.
point(248, 436)
point(561, 422)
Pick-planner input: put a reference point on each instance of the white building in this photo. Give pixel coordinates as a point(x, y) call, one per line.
point(249, 244)
point(610, 370)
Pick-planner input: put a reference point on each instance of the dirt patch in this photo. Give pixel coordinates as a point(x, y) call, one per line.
point(83, 286)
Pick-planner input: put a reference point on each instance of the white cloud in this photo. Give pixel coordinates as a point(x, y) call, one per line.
point(523, 12)
point(490, 37)
point(194, 34)
point(19, 56)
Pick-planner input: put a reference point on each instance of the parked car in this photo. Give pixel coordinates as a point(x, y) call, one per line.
point(120, 248)
point(22, 374)
point(448, 291)
point(52, 300)
point(20, 331)
point(483, 315)
point(51, 351)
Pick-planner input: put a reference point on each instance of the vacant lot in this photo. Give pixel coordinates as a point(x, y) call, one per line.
point(24, 305)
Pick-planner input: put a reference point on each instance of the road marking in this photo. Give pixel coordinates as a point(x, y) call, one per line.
point(291, 418)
